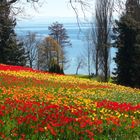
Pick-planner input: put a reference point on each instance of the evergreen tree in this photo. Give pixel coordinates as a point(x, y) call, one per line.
point(11, 50)
point(56, 69)
point(59, 34)
point(128, 44)
point(15, 53)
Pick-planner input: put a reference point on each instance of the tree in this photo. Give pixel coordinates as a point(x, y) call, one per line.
point(88, 52)
point(11, 49)
point(47, 55)
point(79, 63)
point(128, 43)
point(59, 33)
point(31, 44)
point(56, 69)
point(104, 11)
point(15, 53)
point(93, 40)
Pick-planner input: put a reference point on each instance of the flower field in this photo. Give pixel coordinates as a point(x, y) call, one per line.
point(35, 105)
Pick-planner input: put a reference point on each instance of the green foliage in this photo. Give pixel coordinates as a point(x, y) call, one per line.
point(11, 50)
point(15, 54)
point(58, 32)
point(128, 55)
point(56, 69)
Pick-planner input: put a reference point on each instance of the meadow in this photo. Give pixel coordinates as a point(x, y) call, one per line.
point(37, 105)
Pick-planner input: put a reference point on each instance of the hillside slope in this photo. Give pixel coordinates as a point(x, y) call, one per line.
point(39, 105)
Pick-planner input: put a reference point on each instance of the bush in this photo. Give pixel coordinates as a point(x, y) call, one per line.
point(56, 69)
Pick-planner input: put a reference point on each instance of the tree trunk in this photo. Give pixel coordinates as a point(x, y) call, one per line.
point(106, 64)
point(31, 65)
point(97, 64)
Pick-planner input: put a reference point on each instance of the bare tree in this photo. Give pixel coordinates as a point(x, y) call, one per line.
point(88, 52)
point(104, 13)
point(79, 63)
point(31, 46)
point(100, 31)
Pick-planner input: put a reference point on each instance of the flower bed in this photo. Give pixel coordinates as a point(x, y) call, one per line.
point(37, 105)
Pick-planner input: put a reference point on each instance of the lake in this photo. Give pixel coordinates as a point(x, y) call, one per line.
point(77, 38)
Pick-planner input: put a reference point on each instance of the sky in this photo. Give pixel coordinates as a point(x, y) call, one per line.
point(52, 9)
